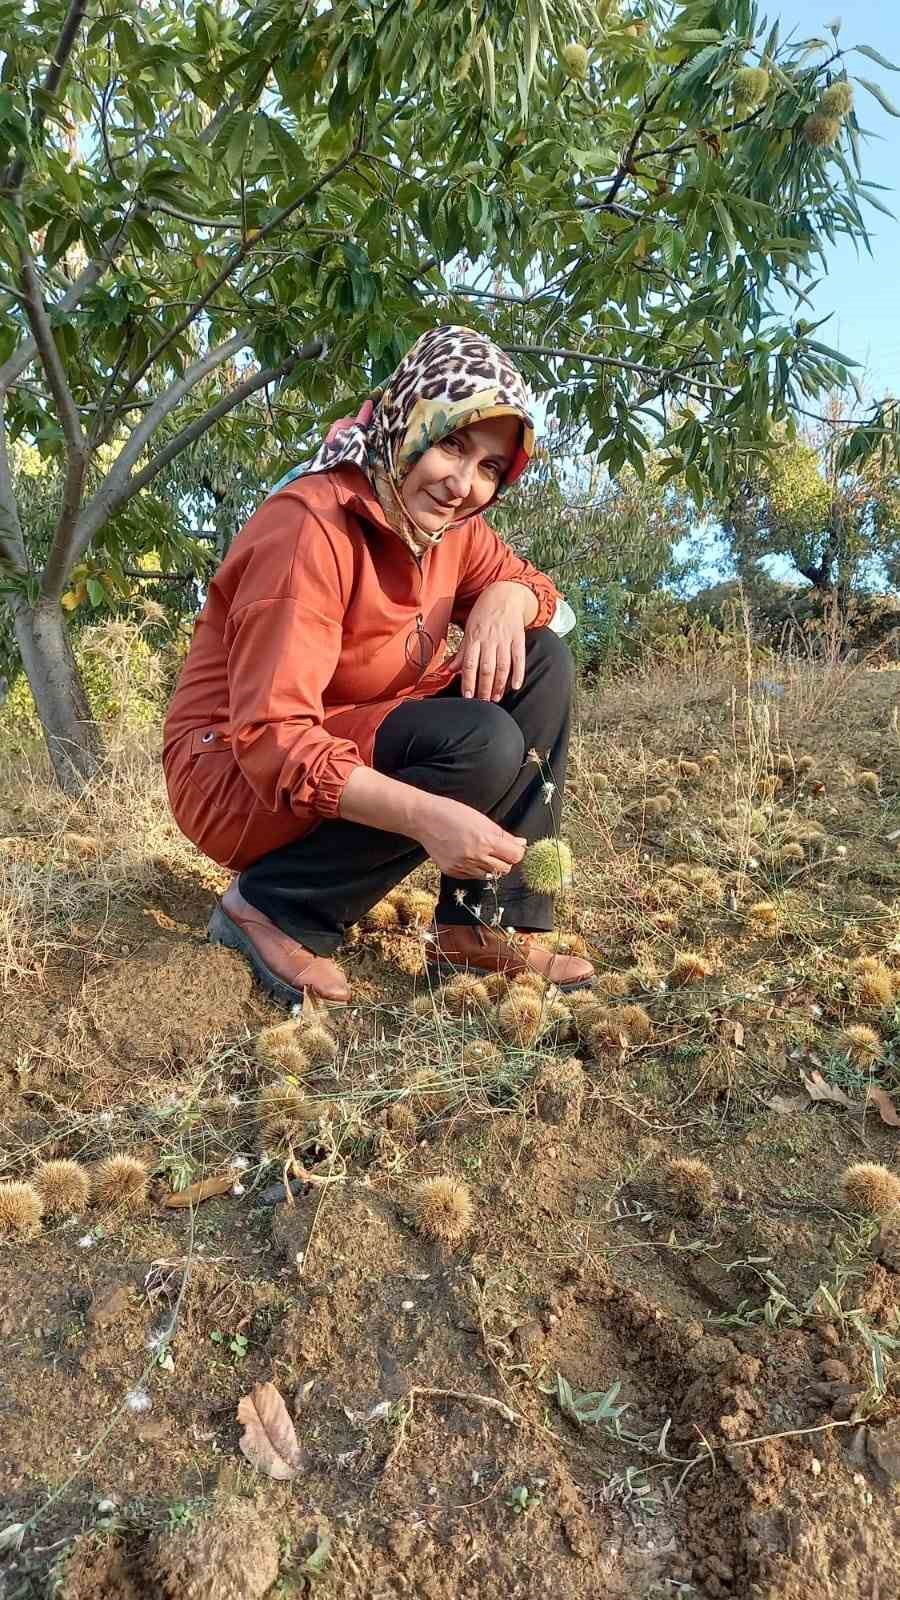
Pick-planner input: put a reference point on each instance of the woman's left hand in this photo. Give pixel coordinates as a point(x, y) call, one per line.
point(491, 657)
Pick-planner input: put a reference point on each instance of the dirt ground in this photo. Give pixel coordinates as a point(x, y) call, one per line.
point(696, 1373)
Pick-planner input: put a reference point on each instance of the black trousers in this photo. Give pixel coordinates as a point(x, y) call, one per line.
point(475, 751)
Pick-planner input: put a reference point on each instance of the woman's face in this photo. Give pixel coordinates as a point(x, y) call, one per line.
point(458, 476)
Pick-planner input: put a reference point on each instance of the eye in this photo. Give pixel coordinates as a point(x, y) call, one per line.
point(452, 444)
point(492, 468)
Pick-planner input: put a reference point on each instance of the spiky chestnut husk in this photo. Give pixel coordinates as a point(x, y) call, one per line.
point(887, 1245)
point(21, 1209)
point(529, 980)
point(442, 1210)
point(381, 918)
point(120, 1183)
point(284, 1114)
point(860, 1043)
point(566, 944)
point(317, 1044)
point(635, 1022)
point(837, 100)
point(868, 781)
point(689, 967)
point(689, 1185)
point(791, 853)
point(547, 866)
point(763, 911)
point(64, 1187)
point(870, 1188)
point(575, 60)
point(465, 993)
point(821, 130)
point(805, 764)
point(480, 1053)
point(749, 87)
point(873, 983)
point(416, 906)
point(690, 770)
point(402, 1121)
point(521, 1016)
point(279, 1047)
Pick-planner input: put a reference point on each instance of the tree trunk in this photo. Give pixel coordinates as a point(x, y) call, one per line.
point(73, 738)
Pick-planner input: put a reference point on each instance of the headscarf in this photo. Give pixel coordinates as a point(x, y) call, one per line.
point(450, 378)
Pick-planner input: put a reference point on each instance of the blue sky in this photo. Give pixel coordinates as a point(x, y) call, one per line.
point(863, 291)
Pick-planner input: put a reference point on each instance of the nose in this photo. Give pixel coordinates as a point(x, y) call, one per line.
point(459, 479)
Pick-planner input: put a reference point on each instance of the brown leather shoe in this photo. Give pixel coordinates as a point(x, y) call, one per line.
point(285, 968)
point(469, 946)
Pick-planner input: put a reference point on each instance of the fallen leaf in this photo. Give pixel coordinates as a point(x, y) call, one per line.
point(818, 1089)
point(788, 1104)
point(738, 1035)
point(885, 1107)
point(204, 1189)
point(269, 1441)
point(11, 1537)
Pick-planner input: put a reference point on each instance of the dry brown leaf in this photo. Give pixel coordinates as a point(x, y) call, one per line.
point(788, 1104)
point(204, 1189)
point(885, 1107)
point(269, 1441)
point(818, 1089)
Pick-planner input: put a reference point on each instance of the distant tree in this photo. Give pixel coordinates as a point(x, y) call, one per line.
point(837, 525)
point(201, 205)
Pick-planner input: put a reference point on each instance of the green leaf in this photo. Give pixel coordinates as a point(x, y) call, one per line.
point(875, 55)
point(316, 1563)
point(357, 61)
point(96, 592)
point(727, 227)
point(876, 90)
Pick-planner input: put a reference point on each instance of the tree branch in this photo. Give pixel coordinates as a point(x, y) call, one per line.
point(237, 256)
point(77, 449)
point(119, 486)
point(201, 425)
point(12, 542)
point(668, 374)
point(25, 353)
point(12, 178)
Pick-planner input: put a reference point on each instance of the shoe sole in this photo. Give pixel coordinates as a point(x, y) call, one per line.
point(444, 966)
point(221, 930)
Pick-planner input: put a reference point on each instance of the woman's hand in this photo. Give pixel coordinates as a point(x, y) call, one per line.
point(491, 657)
point(466, 844)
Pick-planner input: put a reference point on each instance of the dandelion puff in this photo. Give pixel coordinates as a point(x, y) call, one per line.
point(873, 984)
point(317, 1044)
point(860, 1043)
point(688, 967)
point(442, 1210)
point(887, 1245)
point(547, 866)
point(689, 1185)
point(383, 917)
point(279, 1047)
point(464, 994)
point(21, 1208)
point(64, 1188)
point(120, 1183)
point(520, 1016)
point(870, 1188)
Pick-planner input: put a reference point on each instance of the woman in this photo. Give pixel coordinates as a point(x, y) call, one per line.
point(320, 743)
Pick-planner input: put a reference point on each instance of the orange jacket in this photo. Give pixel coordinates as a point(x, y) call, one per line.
point(300, 653)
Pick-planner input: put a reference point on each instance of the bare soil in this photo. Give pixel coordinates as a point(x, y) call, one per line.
point(752, 1460)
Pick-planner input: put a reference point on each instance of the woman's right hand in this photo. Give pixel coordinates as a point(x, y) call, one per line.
point(464, 843)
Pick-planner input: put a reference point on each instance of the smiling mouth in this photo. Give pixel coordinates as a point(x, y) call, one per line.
point(439, 503)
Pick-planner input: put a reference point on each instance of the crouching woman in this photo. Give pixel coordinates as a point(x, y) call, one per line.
point(321, 743)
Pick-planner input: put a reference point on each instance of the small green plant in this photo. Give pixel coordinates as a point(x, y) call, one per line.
point(237, 1345)
point(518, 1499)
point(180, 1515)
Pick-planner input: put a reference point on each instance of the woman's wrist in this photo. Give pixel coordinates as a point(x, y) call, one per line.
point(377, 801)
point(520, 593)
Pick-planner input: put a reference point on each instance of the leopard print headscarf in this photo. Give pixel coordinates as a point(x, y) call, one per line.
point(450, 378)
